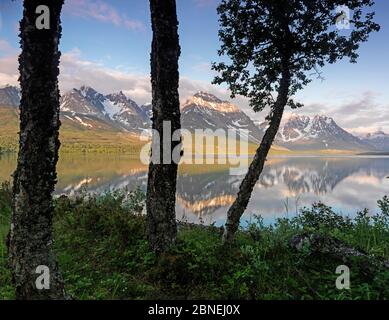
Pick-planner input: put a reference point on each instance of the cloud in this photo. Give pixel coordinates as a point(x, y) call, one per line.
point(358, 114)
point(100, 11)
point(133, 24)
point(9, 70)
point(363, 113)
point(75, 72)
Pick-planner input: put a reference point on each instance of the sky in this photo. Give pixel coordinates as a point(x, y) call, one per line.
point(106, 45)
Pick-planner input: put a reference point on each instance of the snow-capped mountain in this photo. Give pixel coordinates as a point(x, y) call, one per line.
point(317, 133)
point(379, 139)
point(126, 112)
point(116, 108)
point(83, 101)
point(10, 96)
point(85, 108)
point(206, 111)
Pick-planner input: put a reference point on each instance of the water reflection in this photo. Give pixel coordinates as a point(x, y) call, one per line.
point(320, 175)
point(204, 193)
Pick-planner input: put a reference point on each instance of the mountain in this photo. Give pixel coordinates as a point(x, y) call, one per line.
point(379, 139)
point(317, 133)
point(147, 110)
point(10, 96)
point(88, 113)
point(89, 109)
point(78, 133)
point(206, 111)
point(85, 124)
point(9, 118)
point(115, 109)
point(84, 101)
point(126, 112)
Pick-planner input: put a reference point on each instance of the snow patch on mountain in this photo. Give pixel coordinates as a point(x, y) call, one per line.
point(207, 100)
point(82, 122)
point(117, 109)
point(111, 108)
point(317, 132)
point(206, 111)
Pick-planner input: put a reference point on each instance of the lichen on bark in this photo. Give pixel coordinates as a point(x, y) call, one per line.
point(30, 240)
point(162, 178)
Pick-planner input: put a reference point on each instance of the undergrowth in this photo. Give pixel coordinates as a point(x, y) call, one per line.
point(103, 253)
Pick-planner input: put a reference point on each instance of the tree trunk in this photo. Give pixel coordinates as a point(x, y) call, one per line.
point(161, 190)
point(30, 239)
point(246, 188)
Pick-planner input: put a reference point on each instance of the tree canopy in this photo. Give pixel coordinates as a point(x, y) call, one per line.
point(259, 36)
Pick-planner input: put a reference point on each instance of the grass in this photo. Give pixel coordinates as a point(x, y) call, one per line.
point(6, 289)
point(103, 254)
point(9, 129)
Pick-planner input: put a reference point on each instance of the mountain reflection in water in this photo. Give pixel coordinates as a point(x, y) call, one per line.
point(204, 192)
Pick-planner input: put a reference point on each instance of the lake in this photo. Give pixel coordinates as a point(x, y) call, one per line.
point(205, 192)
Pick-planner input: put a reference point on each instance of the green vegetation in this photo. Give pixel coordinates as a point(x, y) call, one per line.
point(102, 139)
point(103, 254)
point(6, 289)
point(9, 129)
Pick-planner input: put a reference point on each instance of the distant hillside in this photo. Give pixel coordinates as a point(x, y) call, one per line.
point(9, 96)
point(379, 139)
point(74, 136)
point(9, 120)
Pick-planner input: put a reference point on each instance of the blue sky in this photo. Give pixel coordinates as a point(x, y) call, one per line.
point(106, 44)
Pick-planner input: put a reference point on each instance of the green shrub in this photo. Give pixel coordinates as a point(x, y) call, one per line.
point(6, 288)
point(102, 248)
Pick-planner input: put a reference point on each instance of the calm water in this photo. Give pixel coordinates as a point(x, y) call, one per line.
point(204, 192)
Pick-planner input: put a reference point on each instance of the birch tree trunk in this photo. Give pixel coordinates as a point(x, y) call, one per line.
point(239, 206)
point(162, 178)
point(30, 243)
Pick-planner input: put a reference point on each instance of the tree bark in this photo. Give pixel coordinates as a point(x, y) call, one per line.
point(162, 178)
point(246, 188)
point(30, 238)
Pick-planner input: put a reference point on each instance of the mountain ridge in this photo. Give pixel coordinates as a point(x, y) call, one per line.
point(317, 132)
point(88, 109)
point(379, 139)
point(206, 111)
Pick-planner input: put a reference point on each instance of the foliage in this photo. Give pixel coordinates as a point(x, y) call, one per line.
point(260, 38)
point(103, 254)
point(6, 289)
